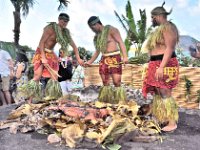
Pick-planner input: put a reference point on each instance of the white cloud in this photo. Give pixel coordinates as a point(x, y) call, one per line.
point(182, 3)
point(195, 10)
point(81, 10)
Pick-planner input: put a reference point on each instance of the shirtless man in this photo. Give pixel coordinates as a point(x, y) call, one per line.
point(107, 40)
point(162, 73)
point(46, 62)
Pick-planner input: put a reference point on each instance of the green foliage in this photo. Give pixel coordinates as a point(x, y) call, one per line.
point(84, 54)
point(188, 85)
point(136, 32)
point(11, 48)
point(63, 4)
point(186, 61)
point(198, 96)
point(140, 59)
point(23, 5)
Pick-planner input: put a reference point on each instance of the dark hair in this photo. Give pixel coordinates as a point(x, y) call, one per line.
point(21, 57)
point(64, 16)
point(93, 20)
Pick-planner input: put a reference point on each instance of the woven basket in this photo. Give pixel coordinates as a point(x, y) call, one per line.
point(92, 76)
point(137, 76)
point(179, 93)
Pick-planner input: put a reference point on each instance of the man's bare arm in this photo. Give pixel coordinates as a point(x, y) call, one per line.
point(75, 49)
point(116, 35)
point(94, 57)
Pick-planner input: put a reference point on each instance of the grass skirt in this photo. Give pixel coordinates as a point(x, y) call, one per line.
point(32, 89)
point(53, 90)
point(165, 109)
point(111, 95)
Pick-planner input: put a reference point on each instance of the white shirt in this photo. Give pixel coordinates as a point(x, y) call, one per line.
point(4, 63)
point(77, 78)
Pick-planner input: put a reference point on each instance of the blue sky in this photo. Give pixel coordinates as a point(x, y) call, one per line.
point(185, 15)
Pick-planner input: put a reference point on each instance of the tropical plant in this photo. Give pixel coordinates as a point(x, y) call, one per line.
point(23, 6)
point(63, 4)
point(20, 5)
point(198, 96)
point(188, 85)
point(136, 32)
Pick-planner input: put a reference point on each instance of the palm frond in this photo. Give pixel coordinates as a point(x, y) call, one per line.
point(142, 26)
point(126, 20)
point(121, 21)
point(63, 4)
point(26, 5)
point(131, 21)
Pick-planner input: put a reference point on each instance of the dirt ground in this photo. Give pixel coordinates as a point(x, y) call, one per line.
point(186, 137)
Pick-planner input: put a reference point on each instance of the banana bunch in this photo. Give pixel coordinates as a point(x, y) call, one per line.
point(141, 59)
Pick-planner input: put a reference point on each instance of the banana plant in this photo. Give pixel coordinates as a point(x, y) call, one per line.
point(136, 32)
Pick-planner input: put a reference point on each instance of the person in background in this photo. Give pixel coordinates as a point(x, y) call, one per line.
point(78, 76)
point(2, 98)
point(163, 69)
point(65, 72)
point(20, 75)
point(195, 52)
point(6, 64)
point(108, 41)
point(46, 63)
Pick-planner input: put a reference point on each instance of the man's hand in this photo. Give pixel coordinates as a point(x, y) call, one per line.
point(87, 63)
point(44, 60)
point(81, 62)
point(159, 74)
point(125, 60)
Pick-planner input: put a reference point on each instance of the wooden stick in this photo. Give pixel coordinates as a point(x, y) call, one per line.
point(52, 72)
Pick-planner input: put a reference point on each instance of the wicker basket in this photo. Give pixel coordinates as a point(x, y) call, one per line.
point(92, 76)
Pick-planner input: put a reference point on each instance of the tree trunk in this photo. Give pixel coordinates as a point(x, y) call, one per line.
point(17, 22)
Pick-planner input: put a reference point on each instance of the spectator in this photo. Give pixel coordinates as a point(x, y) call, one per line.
point(195, 52)
point(6, 64)
point(20, 75)
point(65, 72)
point(78, 76)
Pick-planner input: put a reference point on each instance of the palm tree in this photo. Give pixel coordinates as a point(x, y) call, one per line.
point(63, 4)
point(136, 32)
point(20, 5)
point(24, 5)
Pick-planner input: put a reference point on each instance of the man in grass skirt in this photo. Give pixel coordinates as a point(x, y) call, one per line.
point(46, 62)
point(107, 39)
point(163, 69)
